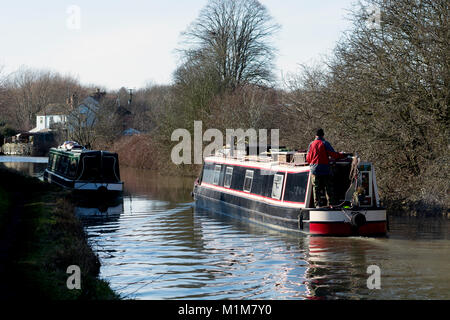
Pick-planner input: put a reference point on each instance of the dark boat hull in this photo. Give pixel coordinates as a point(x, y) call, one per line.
point(330, 222)
point(92, 188)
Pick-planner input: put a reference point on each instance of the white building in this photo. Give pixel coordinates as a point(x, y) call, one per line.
point(51, 114)
point(71, 114)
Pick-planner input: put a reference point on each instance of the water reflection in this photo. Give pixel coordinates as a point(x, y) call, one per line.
point(337, 267)
point(149, 183)
point(99, 211)
point(34, 169)
point(419, 228)
point(242, 267)
point(23, 159)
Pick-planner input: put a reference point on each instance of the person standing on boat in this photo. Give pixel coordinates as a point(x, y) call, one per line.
point(319, 152)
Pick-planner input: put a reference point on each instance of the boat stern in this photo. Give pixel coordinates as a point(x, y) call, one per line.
point(347, 222)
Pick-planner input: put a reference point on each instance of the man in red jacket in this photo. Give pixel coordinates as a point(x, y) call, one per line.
point(319, 152)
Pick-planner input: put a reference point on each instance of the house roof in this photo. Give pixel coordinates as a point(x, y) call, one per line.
point(54, 109)
point(88, 104)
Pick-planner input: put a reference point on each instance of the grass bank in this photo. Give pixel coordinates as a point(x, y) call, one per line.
point(40, 237)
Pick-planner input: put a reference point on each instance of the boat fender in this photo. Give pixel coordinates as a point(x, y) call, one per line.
point(300, 220)
point(194, 189)
point(358, 219)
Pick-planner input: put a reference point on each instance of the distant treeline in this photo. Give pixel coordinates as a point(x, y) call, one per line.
point(383, 93)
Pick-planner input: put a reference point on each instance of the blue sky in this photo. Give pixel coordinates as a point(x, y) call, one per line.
point(132, 43)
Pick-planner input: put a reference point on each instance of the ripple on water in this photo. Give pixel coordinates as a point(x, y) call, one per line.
point(169, 252)
point(162, 250)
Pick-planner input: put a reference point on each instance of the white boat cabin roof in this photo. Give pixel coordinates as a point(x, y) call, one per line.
point(264, 165)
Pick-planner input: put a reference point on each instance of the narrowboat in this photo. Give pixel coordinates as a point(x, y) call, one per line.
point(276, 191)
point(87, 171)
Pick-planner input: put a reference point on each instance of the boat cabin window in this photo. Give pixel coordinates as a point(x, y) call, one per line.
point(55, 162)
point(60, 164)
point(50, 161)
point(208, 172)
point(228, 176)
point(296, 185)
point(248, 181)
point(217, 170)
point(64, 163)
point(277, 186)
point(73, 167)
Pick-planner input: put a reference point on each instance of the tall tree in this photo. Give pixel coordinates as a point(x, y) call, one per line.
point(30, 90)
point(387, 95)
point(232, 38)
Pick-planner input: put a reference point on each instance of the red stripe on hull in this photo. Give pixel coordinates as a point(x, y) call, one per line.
point(345, 229)
point(337, 228)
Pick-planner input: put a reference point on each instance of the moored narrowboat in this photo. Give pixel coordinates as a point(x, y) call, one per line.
point(276, 191)
point(87, 171)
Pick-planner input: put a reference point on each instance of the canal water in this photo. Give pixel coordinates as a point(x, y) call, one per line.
point(154, 244)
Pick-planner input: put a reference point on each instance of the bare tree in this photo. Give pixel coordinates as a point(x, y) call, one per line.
point(96, 124)
point(149, 105)
point(306, 105)
point(386, 89)
point(108, 126)
point(233, 37)
point(3, 98)
point(81, 127)
point(30, 90)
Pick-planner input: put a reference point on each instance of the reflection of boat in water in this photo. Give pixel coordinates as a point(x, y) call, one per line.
point(307, 267)
point(84, 170)
point(277, 192)
point(89, 209)
point(100, 211)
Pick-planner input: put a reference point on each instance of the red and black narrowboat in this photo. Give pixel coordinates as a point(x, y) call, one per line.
point(276, 191)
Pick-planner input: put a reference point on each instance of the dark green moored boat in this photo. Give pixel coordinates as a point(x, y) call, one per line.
point(84, 170)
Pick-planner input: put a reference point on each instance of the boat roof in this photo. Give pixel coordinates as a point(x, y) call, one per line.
point(266, 163)
point(77, 152)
